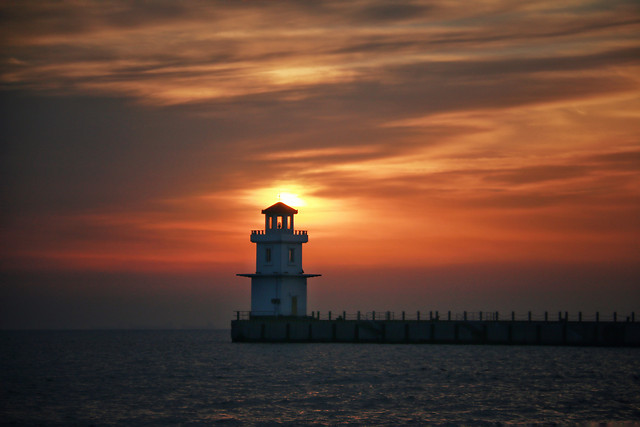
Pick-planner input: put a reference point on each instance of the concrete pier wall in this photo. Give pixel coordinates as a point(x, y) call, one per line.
point(437, 332)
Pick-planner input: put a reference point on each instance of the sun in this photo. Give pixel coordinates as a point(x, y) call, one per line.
point(291, 199)
point(294, 195)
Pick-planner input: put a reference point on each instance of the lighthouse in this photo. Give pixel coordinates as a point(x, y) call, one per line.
point(279, 285)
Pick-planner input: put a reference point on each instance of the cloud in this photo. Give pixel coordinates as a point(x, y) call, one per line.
point(620, 161)
point(472, 123)
point(385, 12)
point(222, 51)
point(536, 174)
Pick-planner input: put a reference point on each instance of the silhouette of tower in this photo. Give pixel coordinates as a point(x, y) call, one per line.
point(279, 285)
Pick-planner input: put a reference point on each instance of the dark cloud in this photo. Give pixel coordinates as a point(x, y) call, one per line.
point(139, 13)
point(35, 18)
point(415, 91)
point(518, 31)
point(386, 12)
point(493, 71)
point(535, 174)
point(581, 183)
point(215, 60)
point(377, 45)
point(41, 17)
point(67, 154)
point(623, 160)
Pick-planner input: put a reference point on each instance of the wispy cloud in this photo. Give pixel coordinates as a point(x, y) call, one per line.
point(208, 51)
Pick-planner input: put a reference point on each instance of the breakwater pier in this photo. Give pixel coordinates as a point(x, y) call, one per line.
point(279, 309)
point(436, 328)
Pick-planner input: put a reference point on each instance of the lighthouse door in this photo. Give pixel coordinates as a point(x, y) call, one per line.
point(294, 306)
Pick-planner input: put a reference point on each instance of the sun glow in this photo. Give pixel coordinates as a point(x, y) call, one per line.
point(291, 199)
point(315, 209)
point(293, 195)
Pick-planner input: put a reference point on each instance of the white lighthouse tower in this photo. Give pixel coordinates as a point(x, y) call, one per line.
point(279, 285)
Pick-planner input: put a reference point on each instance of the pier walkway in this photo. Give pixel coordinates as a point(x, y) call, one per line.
point(435, 328)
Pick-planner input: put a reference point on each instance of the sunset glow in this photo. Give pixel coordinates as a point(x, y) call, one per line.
point(291, 199)
point(143, 140)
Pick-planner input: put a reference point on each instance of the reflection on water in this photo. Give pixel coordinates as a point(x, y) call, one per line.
point(177, 377)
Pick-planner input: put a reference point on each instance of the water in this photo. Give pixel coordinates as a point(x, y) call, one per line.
point(200, 377)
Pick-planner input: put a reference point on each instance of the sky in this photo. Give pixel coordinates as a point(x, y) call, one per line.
point(442, 155)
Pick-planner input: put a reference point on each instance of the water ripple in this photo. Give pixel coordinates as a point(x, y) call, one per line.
point(199, 377)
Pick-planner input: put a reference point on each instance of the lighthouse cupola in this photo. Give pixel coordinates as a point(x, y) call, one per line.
point(279, 285)
point(278, 218)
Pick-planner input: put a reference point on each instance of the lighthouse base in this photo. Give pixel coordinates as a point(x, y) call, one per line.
point(305, 330)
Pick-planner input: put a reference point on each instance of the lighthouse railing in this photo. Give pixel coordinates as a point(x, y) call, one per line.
point(295, 232)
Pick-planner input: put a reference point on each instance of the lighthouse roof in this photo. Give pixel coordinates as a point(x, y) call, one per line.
point(279, 208)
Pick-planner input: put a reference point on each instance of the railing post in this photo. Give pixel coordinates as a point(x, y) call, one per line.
point(418, 314)
point(633, 316)
point(437, 315)
point(237, 315)
point(597, 316)
point(480, 314)
point(430, 315)
point(373, 314)
point(559, 316)
point(449, 315)
point(313, 314)
point(615, 316)
point(329, 314)
point(403, 315)
point(344, 315)
point(566, 316)
point(464, 316)
point(358, 314)
point(513, 316)
point(546, 316)
point(579, 316)
point(530, 316)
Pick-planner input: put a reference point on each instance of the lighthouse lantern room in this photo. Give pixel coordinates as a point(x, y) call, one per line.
point(279, 285)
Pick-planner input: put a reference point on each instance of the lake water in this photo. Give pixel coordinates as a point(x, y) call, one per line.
point(200, 377)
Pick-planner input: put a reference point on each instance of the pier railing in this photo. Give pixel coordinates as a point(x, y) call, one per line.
point(431, 315)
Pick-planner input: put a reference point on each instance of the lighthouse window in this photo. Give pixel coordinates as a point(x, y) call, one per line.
point(292, 255)
point(267, 255)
